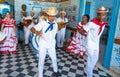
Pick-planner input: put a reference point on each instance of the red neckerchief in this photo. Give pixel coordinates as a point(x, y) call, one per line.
point(97, 22)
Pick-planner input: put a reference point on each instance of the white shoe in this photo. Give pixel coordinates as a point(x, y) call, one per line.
point(86, 72)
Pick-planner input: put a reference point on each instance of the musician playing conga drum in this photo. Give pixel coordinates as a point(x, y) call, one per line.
point(62, 26)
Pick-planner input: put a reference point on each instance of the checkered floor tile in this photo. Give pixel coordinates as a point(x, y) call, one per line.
point(24, 64)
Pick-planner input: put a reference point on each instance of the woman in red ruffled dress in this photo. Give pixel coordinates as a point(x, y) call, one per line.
point(77, 45)
point(9, 30)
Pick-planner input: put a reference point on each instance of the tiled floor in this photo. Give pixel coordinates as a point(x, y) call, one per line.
point(24, 64)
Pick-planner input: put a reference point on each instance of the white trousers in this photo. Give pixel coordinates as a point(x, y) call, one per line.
point(27, 33)
point(42, 55)
point(91, 61)
point(61, 37)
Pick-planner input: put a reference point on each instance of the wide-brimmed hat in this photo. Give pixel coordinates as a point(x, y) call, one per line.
point(63, 12)
point(52, 11)
point(102, 9)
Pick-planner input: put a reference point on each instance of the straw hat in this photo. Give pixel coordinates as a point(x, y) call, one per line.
point(63, 12)
point(102, 9)
point(52, 11)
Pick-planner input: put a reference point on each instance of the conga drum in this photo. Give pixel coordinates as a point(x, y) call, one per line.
point(27, 22)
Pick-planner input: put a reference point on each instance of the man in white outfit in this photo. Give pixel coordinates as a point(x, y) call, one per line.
point(61, 33)
point(47, 30)
point(93, 31)
point(27, 31)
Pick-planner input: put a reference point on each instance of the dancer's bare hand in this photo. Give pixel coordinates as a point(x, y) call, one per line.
point(39, 33)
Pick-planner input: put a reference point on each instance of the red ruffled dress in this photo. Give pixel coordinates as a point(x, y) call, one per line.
point(10, 44)
point(77, 45)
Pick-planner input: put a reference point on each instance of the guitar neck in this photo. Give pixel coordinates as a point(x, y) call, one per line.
point(66, 23)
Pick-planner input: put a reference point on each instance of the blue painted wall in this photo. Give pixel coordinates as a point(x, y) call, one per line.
point(115, 60)
point(87, 8)
point(113, 24)
point(81, 9)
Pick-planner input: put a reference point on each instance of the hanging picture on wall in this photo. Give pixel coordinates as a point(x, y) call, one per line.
point(74, 18)
point(65, 9)
point(69, 9)
point(74, 8)
point(61, 9)
point(69, 18)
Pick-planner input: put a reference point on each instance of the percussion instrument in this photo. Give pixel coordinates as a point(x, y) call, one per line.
point(27, 22)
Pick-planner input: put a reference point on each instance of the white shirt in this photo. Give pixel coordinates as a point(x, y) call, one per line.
point(40, 18)
point(93, 35)
point(62, 20)
point(47, 39)
point(32, 24)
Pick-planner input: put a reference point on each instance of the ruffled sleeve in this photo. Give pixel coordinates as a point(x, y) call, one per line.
point(14, 21)
point(79, 25)
point(3, 21)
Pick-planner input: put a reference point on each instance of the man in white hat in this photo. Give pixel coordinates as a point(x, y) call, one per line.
point(93, 31)
point(61, 33)
point(47, 30)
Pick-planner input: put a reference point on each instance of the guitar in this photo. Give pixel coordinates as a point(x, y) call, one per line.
point(62, 25)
